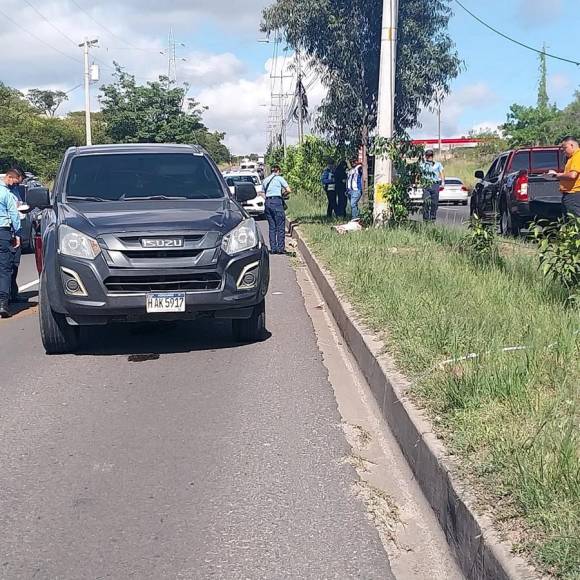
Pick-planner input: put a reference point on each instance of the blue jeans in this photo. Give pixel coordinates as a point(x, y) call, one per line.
point(277, 224)
point(431, 202)
point(354, 199)
point(6, 260)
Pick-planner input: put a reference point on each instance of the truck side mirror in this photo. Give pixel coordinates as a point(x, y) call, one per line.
point(38, 197)
point(479, 174)
point(245, 192)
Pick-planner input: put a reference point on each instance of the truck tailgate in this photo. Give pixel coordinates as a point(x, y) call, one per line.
point(545, 196)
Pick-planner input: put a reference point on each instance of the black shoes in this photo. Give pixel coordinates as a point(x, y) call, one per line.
point(4, 312)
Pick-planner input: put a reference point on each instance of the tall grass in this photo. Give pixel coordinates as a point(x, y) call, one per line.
point(510, 415)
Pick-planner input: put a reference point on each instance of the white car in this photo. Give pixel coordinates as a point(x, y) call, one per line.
point(255, 206)
point(454, 192)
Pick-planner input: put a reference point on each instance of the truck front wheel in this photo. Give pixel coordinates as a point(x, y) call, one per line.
point(252, 329)
point(58, 337)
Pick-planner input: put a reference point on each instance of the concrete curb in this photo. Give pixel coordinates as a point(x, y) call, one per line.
point(472, 538)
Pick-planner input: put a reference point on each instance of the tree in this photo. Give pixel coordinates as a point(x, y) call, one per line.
point(567, 122)
point(158, 112)
point(342, 40)
point(543, 99)
point(46, 101)
point(76, 119)
point(30, 141)
point(530, 126)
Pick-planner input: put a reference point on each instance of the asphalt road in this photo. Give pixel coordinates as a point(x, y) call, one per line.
point(206, 460)
point(450, 215)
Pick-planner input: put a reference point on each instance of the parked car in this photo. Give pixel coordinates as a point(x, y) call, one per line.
point(146, 233)
point(254, 206)
point(517, 189)
point(453, 192)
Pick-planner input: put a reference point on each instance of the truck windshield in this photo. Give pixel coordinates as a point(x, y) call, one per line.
point(118, 177)
point(231, 181)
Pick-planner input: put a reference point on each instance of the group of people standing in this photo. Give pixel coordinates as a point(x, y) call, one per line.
point(343, 185)
point(11, 206)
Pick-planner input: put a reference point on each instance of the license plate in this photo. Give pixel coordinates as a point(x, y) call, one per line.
point(166, 302)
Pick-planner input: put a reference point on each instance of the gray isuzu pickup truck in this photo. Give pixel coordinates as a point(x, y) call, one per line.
point(134, 233)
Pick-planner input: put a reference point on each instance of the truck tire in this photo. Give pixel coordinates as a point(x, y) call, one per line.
point(58, 337)
point(252, 329)
point(509, 224)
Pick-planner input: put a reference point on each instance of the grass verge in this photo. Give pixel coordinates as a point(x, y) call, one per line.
point(511, 416)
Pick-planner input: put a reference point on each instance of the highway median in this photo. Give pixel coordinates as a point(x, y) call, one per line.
point(489, 352)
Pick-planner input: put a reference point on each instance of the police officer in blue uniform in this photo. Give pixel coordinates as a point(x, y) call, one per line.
point(9, 236)
point(276, 189)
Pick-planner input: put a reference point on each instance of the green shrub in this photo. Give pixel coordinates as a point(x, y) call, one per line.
point(481, 242)
point(559, 245)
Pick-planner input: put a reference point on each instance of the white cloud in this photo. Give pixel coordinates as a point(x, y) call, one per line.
point(474, 96)
point(538, 12)
point(203, 69)
point(560, 87)
point(241, 107)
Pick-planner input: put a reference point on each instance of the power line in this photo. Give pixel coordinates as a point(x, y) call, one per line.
point(63, 34)
point(73, 89)
point(108, 30)
point(513, 39)
point(18, 26)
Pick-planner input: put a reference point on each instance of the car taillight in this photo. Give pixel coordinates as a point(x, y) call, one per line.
point(464, 189)
point(521, 188)
point(441, 188)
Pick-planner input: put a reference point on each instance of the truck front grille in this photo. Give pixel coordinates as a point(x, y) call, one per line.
point(161, 254)
point(196, 282)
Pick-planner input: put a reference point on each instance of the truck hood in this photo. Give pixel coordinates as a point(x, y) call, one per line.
point(96, 219)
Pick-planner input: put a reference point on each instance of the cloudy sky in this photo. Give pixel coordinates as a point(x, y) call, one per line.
point(229, 70)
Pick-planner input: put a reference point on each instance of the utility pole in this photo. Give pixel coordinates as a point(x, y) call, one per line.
point(439, 127)
point(85, 46)
point(171, 57)
point(386, 103)
point(299, 92)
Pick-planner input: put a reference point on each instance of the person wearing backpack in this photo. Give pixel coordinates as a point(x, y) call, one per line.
point(276, 190)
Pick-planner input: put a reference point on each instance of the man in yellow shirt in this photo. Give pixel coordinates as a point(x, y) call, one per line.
point(570, 179)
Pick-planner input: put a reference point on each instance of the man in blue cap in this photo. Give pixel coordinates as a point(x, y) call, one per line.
point(9, 236)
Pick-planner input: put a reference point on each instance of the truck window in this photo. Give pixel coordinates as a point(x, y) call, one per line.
point(521, 161)
point(544, 160)
point(492, 170)
point(501, 165)
point(141, 175)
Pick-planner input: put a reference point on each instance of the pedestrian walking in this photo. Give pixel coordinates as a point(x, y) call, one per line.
point(435, 178)
point(570, 178)
point(355, 187)
point(276, 189)
point(329, 185)
point(340, 179)
point(9, 237)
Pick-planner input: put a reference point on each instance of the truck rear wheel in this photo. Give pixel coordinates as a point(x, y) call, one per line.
point(509, 224)
point(252, 329)
point(58, 337)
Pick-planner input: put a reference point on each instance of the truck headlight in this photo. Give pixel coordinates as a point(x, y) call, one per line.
point(243, 237)
point(76, 244)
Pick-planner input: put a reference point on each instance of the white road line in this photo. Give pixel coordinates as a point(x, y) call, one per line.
point(27, 286)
